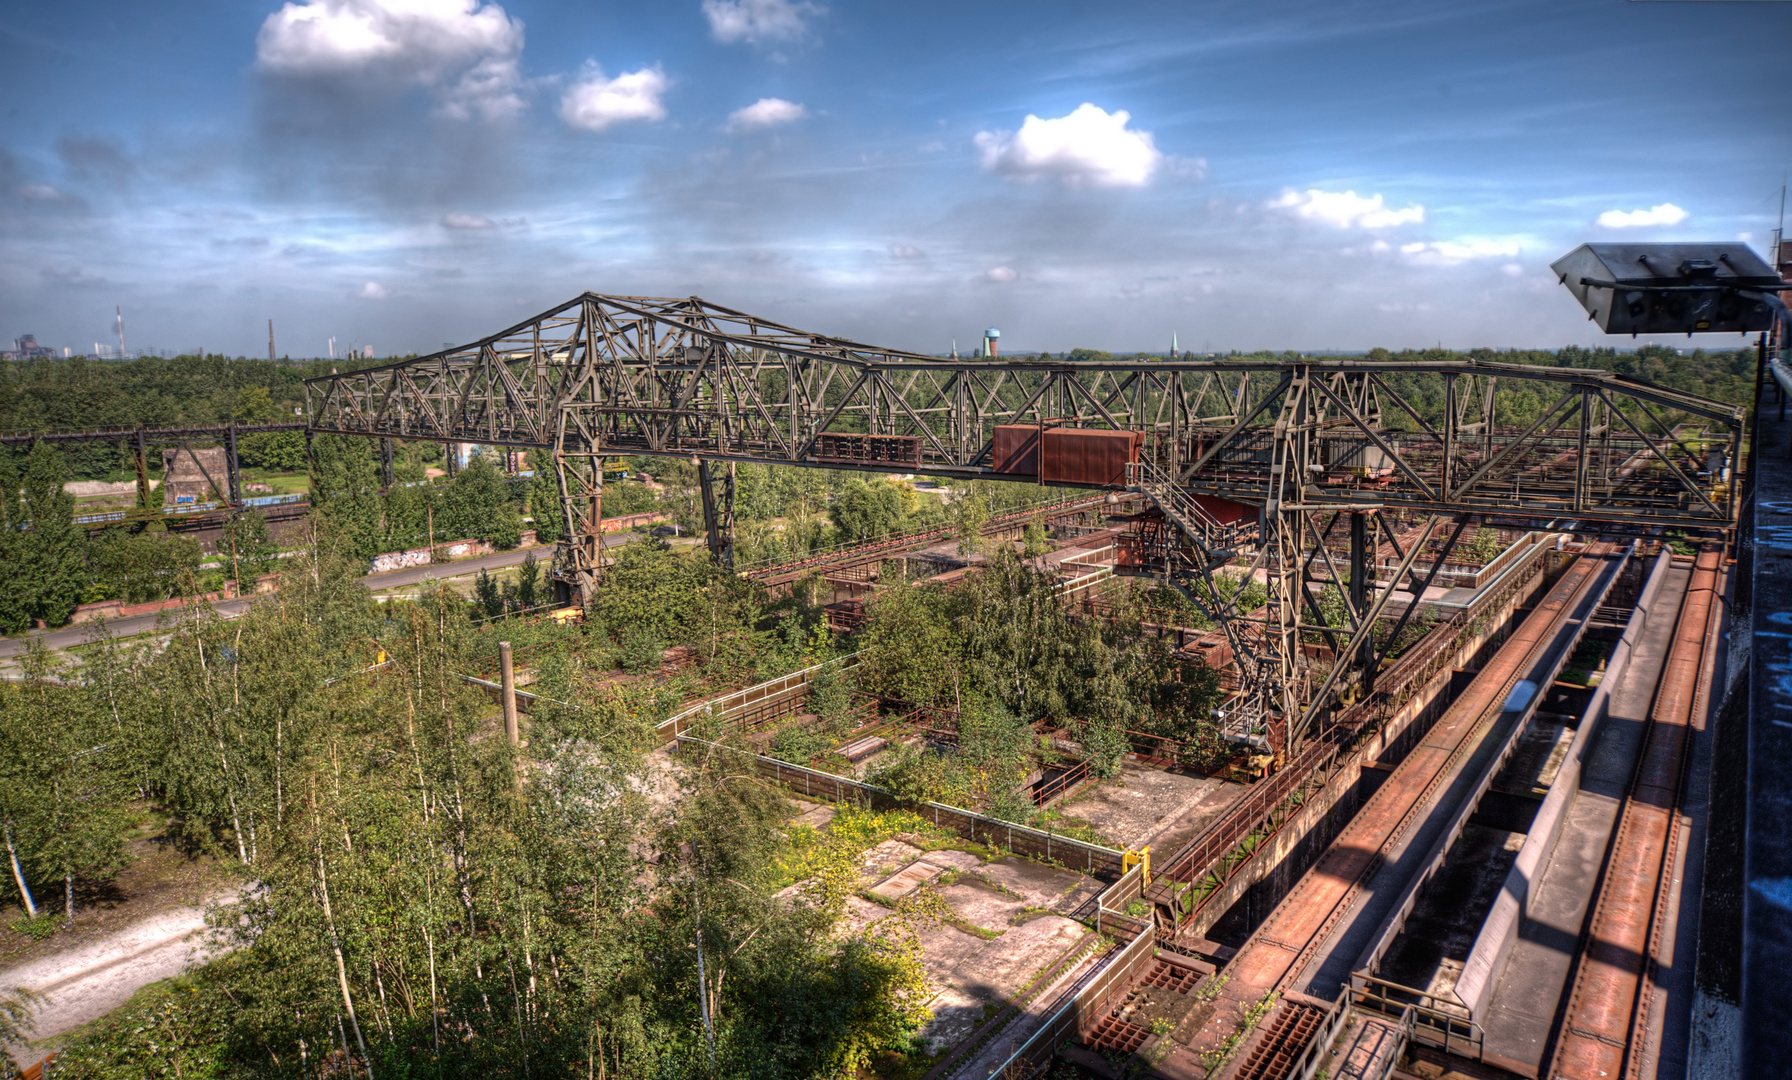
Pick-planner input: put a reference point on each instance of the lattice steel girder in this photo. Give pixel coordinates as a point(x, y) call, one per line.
point(684, 377)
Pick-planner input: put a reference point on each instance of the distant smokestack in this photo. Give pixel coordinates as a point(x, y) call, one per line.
point(270, 341)
point(120, 313)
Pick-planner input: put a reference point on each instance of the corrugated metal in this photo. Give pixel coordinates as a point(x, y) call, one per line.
point(1016, 449)
point(1088, 456)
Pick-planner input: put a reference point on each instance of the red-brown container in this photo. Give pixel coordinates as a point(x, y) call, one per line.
point(1016, 449)
point(1087, 456)
point(1225, 511)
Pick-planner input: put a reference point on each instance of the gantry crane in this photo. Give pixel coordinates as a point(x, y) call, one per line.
point(1309, 443)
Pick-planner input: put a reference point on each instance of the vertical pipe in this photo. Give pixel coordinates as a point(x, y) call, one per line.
point(508, 677)
point(233, 468)
point(386, 463)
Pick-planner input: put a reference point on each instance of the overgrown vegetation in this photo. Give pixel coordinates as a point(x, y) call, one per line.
point(427, 899)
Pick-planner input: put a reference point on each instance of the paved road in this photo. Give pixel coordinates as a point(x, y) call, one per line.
point(229, 609)
point(86, 983)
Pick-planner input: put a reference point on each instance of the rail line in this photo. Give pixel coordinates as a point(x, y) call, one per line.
point(1279, 952)
point(1605, 1030)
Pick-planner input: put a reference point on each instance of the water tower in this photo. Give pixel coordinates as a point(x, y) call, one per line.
point(990, 337)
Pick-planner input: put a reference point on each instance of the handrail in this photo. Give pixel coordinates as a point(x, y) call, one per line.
point(1306, 1066)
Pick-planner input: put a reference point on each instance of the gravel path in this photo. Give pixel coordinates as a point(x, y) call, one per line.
point(88, 982)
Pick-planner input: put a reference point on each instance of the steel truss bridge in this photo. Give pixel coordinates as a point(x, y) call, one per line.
point(1308, 442)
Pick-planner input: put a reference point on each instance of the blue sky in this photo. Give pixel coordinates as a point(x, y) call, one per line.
point(406, 173)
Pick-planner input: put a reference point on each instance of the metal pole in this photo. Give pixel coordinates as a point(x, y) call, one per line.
point(508, 677)
point(233, 468)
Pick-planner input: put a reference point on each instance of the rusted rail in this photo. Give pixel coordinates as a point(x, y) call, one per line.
point(1605, 1030)
point(1281, 949)
point(1194, 874)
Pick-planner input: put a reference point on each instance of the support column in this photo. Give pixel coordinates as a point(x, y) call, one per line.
point(1362, 574)
point(233, 467)
point(718, 510)
point(386, 463)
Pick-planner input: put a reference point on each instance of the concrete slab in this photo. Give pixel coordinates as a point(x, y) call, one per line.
point(1002, 968)
point(943, 949)
point(907, 880)
point(814, 815)
point(956, 1013)
point(981, 905)
point(885, 859)
point(956, 860)
point(860, 913)
point(1038, 885)
point(1143, 804)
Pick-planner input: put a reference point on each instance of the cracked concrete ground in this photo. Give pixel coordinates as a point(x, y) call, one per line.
point(1146, 805)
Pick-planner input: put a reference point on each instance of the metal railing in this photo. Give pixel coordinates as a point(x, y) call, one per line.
point(1075, 1008)
point(1424, 1015)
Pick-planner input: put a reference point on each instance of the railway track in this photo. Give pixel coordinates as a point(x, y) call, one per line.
point(1278, 954)
point(1606, 1031)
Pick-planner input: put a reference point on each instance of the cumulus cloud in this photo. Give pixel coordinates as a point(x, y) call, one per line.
point(373, 290)
point(41, 193)
point(1090, 147)
point(758, 21)
point(906, 251)
point(467, 221)
point(1346, 208)
point(595, 102)
point(1000, 274)
point(1661, 214)
point(464, 51)
point(764, 113)
point(1452, 252)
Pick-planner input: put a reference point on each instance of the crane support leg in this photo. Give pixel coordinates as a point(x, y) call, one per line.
point(717, 483)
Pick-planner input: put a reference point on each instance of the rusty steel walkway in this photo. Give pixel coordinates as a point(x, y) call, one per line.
point(1311, 941)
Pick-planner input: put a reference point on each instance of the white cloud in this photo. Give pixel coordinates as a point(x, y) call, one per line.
point(41, 193)
point(1512, 270)
point(373, 290)
point(1661, 214)
point(1000, 274)
point(594, 102)
point(1347, 208)
point(1090, 147)
point(466, 51)
point(468, 221)
point(906, 251)
point(1452, 252)
point(756, 21)
point(764, 113)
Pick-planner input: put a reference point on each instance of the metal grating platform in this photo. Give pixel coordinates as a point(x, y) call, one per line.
point(1172, 977)
point(1112, 1034)
point(1287, 1035)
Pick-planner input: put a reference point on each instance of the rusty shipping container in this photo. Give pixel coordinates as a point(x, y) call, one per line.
point(1015, 449)
point(1088, 456)
point(1225, 511)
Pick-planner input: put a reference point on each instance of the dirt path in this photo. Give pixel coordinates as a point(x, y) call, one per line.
point(88, 982)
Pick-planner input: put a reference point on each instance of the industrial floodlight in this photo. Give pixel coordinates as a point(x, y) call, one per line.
point(1672, 288)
